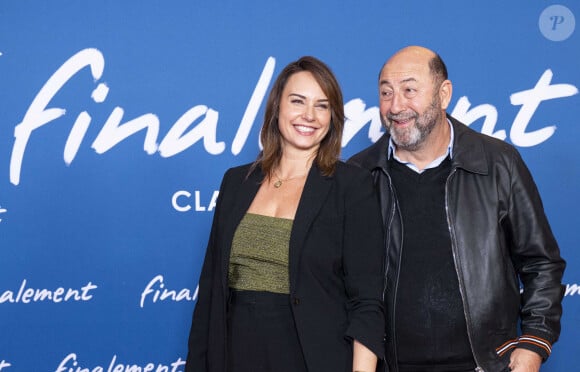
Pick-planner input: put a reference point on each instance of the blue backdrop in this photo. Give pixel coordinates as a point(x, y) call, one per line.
point(118, 120)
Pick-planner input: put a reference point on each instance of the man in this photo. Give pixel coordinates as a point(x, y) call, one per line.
point(465, 226)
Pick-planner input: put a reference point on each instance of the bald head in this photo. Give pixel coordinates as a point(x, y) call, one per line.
point(414, 52)
point(422, 58)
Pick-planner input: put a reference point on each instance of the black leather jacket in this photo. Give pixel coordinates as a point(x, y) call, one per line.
point(500, 236)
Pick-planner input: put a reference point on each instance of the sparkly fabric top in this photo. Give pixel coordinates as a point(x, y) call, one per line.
point(259, 256)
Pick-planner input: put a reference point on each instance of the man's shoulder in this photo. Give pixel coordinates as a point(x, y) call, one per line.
point(474, 142)
point(371, 156)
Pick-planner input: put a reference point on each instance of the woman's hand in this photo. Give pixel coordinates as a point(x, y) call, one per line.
point(363, 360)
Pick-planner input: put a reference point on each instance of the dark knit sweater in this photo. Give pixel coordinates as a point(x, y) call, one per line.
point(431, 334)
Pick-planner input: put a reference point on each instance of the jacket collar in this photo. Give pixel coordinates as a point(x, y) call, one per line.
point(468, 151)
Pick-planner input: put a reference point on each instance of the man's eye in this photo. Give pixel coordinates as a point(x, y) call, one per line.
point(386, 94)
point(410, 92)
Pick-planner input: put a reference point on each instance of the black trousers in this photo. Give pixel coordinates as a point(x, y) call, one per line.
point(262, 334)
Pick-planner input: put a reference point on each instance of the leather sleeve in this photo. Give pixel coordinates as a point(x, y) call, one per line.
point(537, 260)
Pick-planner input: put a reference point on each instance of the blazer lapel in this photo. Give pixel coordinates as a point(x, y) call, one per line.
point(313, 197)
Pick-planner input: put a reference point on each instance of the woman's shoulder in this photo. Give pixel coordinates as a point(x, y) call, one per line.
point(348, 176)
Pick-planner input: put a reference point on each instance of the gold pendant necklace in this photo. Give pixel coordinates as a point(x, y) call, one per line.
point(280, 181)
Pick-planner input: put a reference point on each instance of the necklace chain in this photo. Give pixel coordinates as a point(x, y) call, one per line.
point(280, 181)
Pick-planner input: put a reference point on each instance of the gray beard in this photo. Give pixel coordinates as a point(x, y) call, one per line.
point(411, 139)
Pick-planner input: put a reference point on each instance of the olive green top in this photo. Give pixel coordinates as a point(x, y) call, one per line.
point(259, 256)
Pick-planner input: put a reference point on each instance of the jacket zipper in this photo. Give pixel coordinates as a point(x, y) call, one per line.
point(457, 271)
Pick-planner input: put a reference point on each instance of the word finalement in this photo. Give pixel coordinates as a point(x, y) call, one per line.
point(200, 122)
point(27, 295)
point(156, 291)
point(71, 364)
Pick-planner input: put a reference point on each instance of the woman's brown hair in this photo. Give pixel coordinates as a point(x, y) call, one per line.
point(329, 150)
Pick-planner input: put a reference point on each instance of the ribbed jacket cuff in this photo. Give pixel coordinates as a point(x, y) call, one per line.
point(536, 342)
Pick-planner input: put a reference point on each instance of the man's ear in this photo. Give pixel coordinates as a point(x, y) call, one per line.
point(445, 92)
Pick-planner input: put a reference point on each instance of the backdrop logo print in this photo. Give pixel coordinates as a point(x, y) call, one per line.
point(4, 364)
point(71, 364)
point(156, 291)
point(572, 289)
point(529, 100)
point(181, 201)
point(26, 294)
point(2, 210)
point(180, 136)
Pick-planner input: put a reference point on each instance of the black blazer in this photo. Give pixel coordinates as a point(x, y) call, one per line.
point(336, 258)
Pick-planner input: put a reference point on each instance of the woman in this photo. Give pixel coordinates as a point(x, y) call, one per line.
point(292, 279)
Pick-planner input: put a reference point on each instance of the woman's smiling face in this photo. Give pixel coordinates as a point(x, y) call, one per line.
point(305, 115)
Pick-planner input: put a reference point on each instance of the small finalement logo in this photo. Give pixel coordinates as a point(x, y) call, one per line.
point(557, 23)
point(2, 210)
